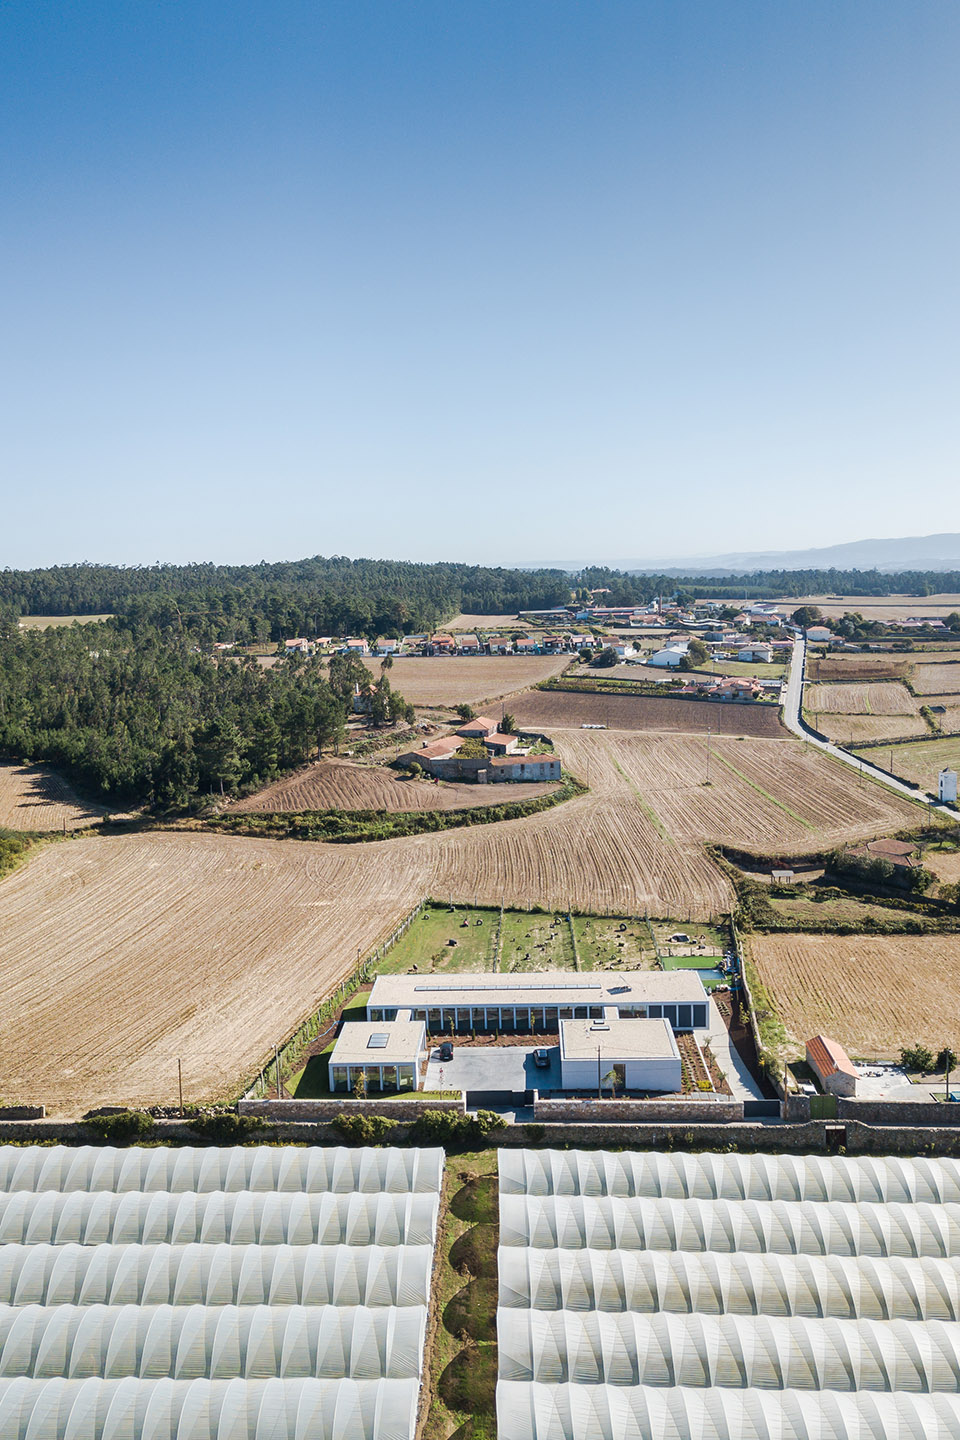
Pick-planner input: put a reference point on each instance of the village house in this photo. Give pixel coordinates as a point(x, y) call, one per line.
point(756, 654)
point(526, 645)
point(818, 634)
point(736, 689)
point(670, 655)
point(478, 728)
point(469, 645)
point(525, 768)
point(356, 647)
point(386, 647)
point(499, 645)
point(501, 744)
point(832, 1066)
point(300, 646)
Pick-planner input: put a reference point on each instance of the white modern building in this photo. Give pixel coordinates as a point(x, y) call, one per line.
point(388, 1056)
point(619, 1055)
point(537, 1002)
point(670, 655)
point(947, 785)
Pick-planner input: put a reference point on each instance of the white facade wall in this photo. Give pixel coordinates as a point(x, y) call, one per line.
point(947, 785)
point(661, 1074)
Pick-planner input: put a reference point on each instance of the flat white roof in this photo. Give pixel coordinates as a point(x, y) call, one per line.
point(539, 987)
point(359, 1042)
point(617, 1040)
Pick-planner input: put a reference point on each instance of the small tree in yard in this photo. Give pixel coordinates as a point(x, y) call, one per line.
point(472, 750)
point(698, 652)
point(360, 1086)
point(507, 724)
point(917, 1058)
point(607, 657)
point(466, 712)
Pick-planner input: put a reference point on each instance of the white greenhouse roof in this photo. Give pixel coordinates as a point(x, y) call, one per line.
point(262, 1168)
point(215, 1274)
point(208, 1409)
point(781, 1227)
point(727, 1351)
point(586, 1412)
point(218, 1342)
point(238, 1218)
point(728, 1177)
point(681, 1282)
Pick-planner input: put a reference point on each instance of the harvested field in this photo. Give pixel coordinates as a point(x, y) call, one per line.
point(455, 680)
point(568, 709)
point(34, 798)
point(920, 762)
point(860, 699)
point(120, 955)
point(879, 607)
point(873, 993)
point(45, 622)
point(939, 679)
point(945, 864)
point(210, 948)
point(858, 667)
point(854, 729)
point(473, 623)
point(342, 785)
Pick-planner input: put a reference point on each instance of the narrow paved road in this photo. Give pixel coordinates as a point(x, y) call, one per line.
point(792, 706)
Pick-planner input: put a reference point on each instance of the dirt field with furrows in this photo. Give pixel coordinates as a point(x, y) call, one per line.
point(945, 864)
point(847, 729)
point(473, 623)
point(872, 993)
point(936, 679)
point(860, 699)
point(341, 785)
point(456, 680)
point(857, 667)
point(567, 709)
point(120, 955)
point(34, 798)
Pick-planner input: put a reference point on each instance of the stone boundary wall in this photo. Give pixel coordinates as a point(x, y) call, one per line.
point(796, 1108)
point(321, 1110)
point(899, 1112)
point(627, 1112)
point(22, 1112)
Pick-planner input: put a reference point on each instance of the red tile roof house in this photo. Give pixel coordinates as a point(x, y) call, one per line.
point(445, 644)
point(478, 728)
point(499, 644)
point(832, 1066)
point(526, 646)
point(469, 645)
point(501, 744)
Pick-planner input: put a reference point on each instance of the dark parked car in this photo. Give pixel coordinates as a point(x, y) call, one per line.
point(446, 1050)
point(541, 1058)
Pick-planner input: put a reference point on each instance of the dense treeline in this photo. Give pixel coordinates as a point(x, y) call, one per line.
point(338, 596)
point(144, 717)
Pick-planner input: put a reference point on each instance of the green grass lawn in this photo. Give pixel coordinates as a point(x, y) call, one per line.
point(535, 942)
point(920, 762)
point(715, 937)
point(603, 941)
point(426, 943)
point(742, 667)
point(804, 911)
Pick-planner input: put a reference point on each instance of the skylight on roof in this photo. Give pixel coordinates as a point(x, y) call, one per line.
point(379, 1041)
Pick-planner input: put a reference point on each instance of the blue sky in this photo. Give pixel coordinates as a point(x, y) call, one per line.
point(484, 281)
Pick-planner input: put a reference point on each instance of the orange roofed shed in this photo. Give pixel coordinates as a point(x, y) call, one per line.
point(832, 1066)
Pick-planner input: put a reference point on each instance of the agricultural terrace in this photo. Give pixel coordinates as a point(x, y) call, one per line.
point(941, 677)
point(345, 785)
point(920, 761)
point(945, 863)
point(873, 993)
point(472, 623)
point(568, 709)
point(449, 680)
point(35, 798)
point(857, 667)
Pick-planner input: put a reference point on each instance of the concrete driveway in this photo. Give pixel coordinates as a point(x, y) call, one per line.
point(491, 1067)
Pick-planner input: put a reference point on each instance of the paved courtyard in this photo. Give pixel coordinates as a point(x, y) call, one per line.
point(504, 1067)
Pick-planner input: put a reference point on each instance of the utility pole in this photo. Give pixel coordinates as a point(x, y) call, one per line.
point(276, 1057)
point(180, 1083)
point(708, 754)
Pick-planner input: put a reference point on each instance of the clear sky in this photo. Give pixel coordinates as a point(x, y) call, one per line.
point(500, 281)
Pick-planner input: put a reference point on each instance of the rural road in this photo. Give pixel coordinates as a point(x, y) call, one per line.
point(792, 706)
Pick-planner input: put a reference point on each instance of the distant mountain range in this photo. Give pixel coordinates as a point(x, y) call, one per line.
point(922, 552)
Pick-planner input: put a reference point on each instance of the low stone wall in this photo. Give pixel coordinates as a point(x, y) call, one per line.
point(900, 1112)
point(326, 1110)
point(796, 1108)
point(22, 1112)
point(863, 1139)
point(633, 1112)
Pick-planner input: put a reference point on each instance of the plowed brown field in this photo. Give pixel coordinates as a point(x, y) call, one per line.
point(120, 955)
point(568, 709)
point(872, 993)
point(935, 679)
point(340, 785)
point(858, 667)
point(844, 729)
point(34, 798)
point(860, 699)
point(459, 680)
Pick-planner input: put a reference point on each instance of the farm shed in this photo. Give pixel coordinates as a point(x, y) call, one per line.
point(525, 767)
point(387, 1054)
point(619, 1054)
point(479, 728)
point(539, 1000)
point(780, 1297)
point(670, 655)
point(832, 1066)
